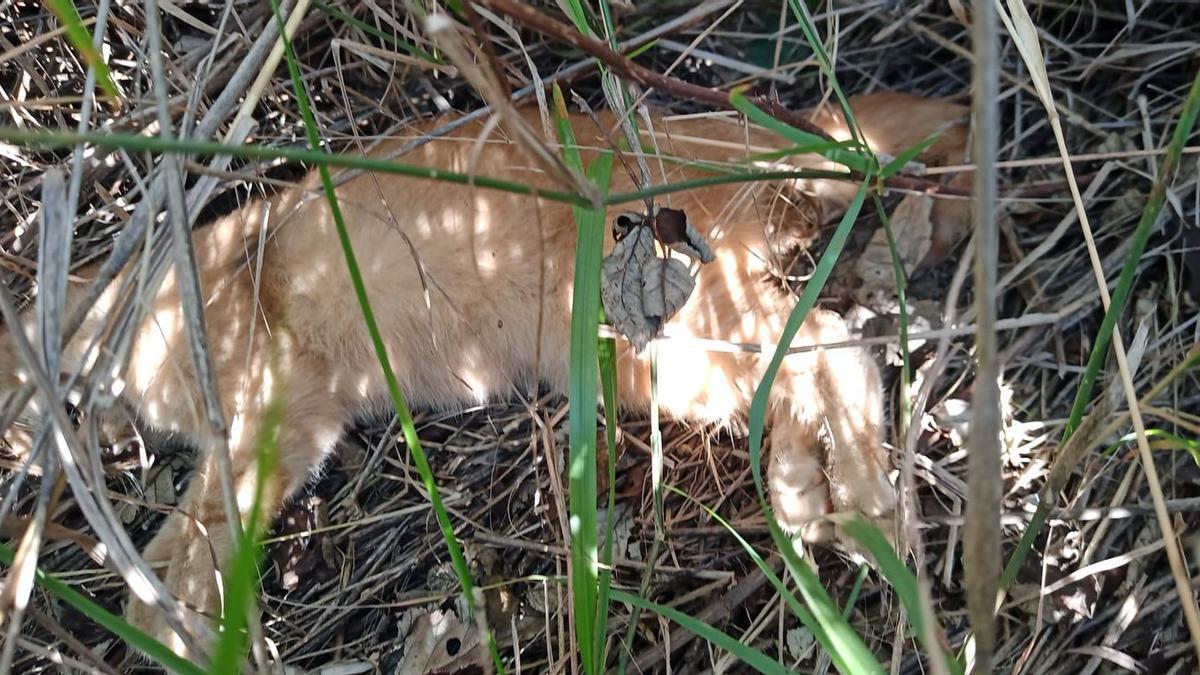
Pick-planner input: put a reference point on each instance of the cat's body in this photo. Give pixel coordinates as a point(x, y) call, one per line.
point(495, 320)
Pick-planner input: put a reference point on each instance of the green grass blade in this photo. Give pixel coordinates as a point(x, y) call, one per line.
point(1141, 235)
point(834, 151)
point(578, 16)
point(748, 655)
point(608, 356)
point(789, 598)
point(800, 11)
point(901, 276)
point(796, 149)
point(855, 590)
point(807, 300)
point(904, 583)
point(847, 650)
point(459, 562)
point(724, 179)
point(585, 319)
point(1161, 439)
point(893, 167)
point(1120, 296)
point(135, 143)
point(81, 39)
point(152, 648)
point(643, 49)
point(607, 350)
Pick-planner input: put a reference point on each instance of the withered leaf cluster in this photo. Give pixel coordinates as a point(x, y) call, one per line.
point(640, 290)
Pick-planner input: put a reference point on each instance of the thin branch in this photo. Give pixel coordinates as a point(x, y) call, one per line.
point(627, 69)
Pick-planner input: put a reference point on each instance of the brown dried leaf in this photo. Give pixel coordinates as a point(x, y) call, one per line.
point(641, 291)
point(676, 231)
point(621, 285)
point(666, 285)
point(439, 642)
point(912, 228)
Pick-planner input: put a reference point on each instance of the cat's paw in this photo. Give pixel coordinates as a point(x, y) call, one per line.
point(868, 495)
point(810, 481)
point(866, 490)
point(800, 495)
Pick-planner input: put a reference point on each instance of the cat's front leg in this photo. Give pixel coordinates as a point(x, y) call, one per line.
point(827, 449)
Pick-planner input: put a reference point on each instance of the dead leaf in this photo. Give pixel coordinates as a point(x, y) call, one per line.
point(912, 229)
point(439, 642)
point(640, 290)
point(800, 642)
point(675, 230)
point(666, 285)
point(621, 282)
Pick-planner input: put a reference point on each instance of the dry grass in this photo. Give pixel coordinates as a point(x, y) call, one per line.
point(357, 559)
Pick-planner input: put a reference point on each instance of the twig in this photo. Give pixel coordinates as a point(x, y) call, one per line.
point(535, 19)
point(489, 49)
point(444, 32)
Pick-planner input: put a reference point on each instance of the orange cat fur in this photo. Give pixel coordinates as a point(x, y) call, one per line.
point(499, 270)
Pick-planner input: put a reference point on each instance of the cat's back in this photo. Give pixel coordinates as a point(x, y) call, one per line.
point(470, 286)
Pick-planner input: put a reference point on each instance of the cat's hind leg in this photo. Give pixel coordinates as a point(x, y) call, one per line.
point(195, 542)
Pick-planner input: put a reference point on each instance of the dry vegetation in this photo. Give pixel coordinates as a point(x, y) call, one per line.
point(357, 560)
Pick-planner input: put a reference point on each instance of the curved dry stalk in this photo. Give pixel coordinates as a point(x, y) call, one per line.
point(444, 32)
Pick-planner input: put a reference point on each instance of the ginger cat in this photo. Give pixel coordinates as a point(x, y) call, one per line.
point(499, 271)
